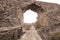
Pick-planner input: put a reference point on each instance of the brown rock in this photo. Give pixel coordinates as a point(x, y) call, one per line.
point(10, 20)
point(11, 16)
point(48, 23)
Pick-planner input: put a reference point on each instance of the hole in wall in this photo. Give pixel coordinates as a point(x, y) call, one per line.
point(30, 16)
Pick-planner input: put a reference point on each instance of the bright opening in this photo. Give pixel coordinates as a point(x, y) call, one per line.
point(30, 16)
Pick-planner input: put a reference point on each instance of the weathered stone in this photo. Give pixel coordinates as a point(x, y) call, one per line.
point(25, 3)
point(10, 20)
point(31, 35)
point(12, 34)
point(48, 23)
point(11, 16)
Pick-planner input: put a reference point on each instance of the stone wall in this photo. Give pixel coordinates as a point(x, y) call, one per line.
point(11, 18)
point(9, 15)
point(48, 23)
point(12, 34)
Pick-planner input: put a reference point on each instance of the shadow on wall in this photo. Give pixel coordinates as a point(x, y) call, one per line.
point(34, 8)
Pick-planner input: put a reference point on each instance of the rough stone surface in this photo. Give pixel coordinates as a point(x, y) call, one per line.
point(31, 35)
point(9, 13)
point(12, 34)
point(11, 19)
point(48, 23)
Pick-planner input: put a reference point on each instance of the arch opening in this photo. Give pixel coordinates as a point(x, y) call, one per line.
point(30, 16)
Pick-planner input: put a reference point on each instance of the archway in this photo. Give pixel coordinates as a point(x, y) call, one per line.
point(30, 16)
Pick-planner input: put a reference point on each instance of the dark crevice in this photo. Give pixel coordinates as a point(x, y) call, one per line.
point(33, 7)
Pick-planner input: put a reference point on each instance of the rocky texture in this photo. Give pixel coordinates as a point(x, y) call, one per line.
point(12, 34)
point(25, 3)
point(11, 16)
point(48, 21)
point(10, 19)
point(31, 35)
point(9, 13)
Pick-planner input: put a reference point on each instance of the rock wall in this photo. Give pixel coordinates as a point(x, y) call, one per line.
point(9, 15)
point(11, 18)
point(48, 23)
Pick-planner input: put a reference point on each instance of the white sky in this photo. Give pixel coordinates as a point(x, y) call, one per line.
point(50, 1)
point(30, 16)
